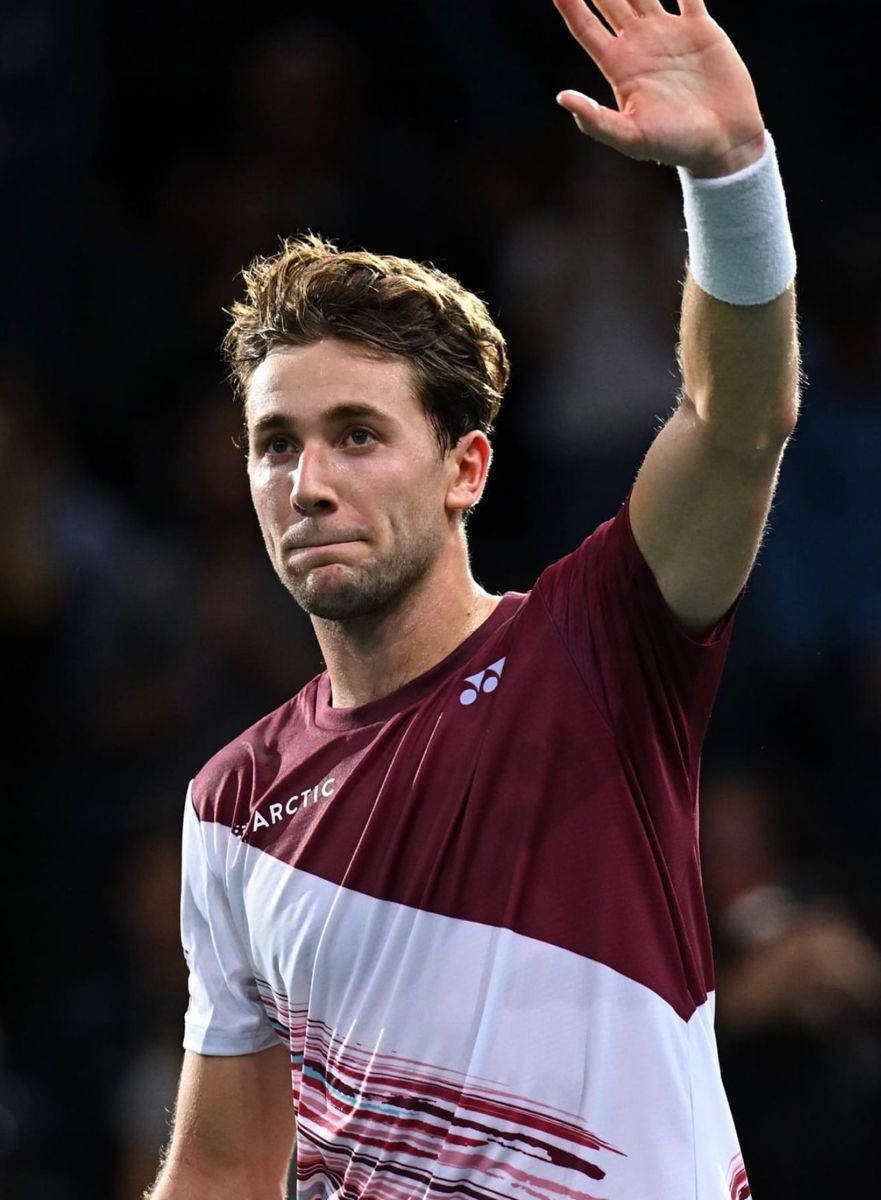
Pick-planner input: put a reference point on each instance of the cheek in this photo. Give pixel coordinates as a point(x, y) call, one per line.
point(259, 477)
point(419, 513)
point(267, 486)
point(267, 497)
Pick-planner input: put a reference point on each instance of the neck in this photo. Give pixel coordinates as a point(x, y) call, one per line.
point(370, 657)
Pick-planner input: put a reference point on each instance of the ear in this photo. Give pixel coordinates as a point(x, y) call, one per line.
point(469, 463)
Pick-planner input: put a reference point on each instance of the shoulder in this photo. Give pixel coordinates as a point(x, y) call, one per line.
point(228, 778)
point(606, 591)
point(608, 553)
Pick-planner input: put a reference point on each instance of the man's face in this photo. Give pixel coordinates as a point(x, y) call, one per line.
point(346, 477)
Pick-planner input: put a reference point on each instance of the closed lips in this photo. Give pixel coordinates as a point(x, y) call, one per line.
point(294, 543)
point(322, 545)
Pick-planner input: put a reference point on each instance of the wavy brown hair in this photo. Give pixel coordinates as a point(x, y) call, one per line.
point(311, 290)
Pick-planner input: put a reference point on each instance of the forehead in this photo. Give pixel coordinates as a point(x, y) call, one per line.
point(302, 382)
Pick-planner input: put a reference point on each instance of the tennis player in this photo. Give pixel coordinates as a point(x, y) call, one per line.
point(442, 909)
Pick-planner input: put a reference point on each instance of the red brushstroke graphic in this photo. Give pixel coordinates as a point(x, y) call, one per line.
point(738, 1184)
point(379, 1124)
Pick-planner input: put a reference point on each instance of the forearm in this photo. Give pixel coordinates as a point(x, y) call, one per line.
point(234, 1129)
point(189, 1176)
point(740, 367)
point(181, 1180)
point(183, 1185)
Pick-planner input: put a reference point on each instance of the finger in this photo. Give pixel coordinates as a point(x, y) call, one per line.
point(692, 8)
point(617, 12)
point(605, 125)
point(584, 25)
point(644, 7)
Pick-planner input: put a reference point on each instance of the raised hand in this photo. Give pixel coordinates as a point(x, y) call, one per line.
point(683, 92)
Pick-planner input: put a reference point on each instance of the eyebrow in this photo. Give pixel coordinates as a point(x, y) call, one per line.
point(340, 412)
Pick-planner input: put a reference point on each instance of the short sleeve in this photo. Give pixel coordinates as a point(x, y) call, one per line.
point(224, 1015)
point(653, 680)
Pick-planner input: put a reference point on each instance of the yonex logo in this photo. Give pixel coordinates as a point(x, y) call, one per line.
point(484, 681)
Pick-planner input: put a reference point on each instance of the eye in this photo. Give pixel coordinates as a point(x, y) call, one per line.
point(278, 444)
point(360, 437)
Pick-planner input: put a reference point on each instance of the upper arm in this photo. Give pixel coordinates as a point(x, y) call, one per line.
point(224, 1016)
point(698, 511)
point(233, 1128)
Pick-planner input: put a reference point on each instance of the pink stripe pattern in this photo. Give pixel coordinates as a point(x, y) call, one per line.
point(376, 1124)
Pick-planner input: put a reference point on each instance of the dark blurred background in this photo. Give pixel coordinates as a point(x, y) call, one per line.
point(147, 152)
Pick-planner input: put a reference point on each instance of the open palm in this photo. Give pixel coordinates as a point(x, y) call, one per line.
point(684, 94)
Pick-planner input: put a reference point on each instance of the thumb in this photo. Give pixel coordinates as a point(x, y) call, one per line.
point(606, 125)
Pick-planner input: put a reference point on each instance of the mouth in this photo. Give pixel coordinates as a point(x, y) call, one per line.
point(301, 547)
point(310, 555)
point(295, 540)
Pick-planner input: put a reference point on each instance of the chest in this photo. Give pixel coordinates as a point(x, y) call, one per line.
point(507, 734)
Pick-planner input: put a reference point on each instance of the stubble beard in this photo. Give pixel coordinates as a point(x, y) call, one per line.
point(366, 590)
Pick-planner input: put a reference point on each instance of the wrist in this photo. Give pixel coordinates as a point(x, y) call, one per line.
point(739, 241)
point(738, 158)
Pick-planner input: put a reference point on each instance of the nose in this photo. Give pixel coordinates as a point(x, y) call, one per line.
point(311, 485)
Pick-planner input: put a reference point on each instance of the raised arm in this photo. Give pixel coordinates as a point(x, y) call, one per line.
point(685, 98)
point(233, 1129)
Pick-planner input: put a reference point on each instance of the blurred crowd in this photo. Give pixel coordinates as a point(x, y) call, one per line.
point(146, 154)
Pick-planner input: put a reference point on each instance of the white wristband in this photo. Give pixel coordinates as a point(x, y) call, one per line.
point(739, 242)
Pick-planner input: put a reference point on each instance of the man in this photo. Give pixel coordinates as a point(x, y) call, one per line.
point(450, 892)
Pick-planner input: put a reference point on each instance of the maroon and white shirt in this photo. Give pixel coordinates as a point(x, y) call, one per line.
point(473, 909)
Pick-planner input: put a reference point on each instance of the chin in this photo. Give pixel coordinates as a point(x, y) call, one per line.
point(342, 593)
point(337, 594)
point(340, 603)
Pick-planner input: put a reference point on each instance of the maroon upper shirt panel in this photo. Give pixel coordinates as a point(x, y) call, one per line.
point(542, 778)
